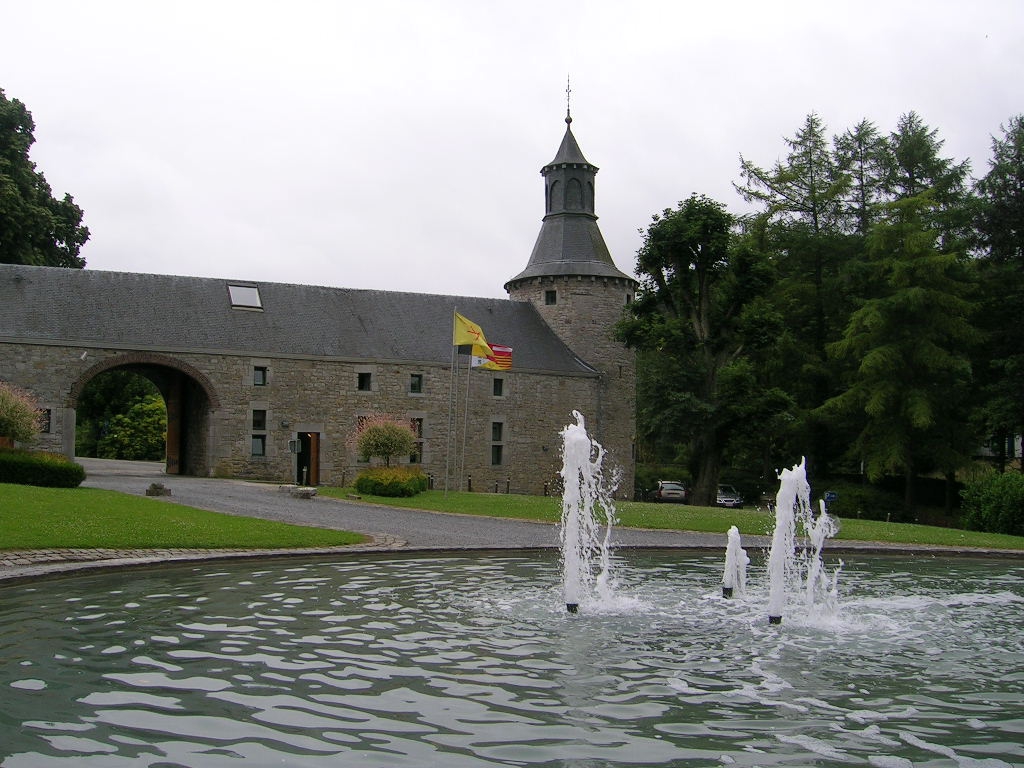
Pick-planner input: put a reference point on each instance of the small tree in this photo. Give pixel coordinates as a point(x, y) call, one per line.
point(384, 436)
point(20, 417)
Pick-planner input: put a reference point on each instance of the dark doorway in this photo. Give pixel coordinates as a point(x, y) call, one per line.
point(307, 466)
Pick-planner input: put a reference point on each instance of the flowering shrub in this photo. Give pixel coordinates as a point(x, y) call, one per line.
point(20, 417)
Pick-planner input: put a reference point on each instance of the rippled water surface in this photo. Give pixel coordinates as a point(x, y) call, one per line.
point(472, 661)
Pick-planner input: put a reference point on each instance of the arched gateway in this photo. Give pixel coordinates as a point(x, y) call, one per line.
point(188, 395)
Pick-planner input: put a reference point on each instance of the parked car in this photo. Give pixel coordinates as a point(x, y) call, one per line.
point(670, 490)
point(729, 497)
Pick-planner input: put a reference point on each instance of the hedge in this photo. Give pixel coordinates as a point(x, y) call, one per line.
point(50, 470)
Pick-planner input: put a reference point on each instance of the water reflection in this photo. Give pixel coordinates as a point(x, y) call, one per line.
point(472, 661)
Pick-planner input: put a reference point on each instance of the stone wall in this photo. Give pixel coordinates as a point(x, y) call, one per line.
point(318, 395)
point(584, 312)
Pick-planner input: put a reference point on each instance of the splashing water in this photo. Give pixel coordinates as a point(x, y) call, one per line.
point(802, 573)
point(734, 580)
point(587, 496)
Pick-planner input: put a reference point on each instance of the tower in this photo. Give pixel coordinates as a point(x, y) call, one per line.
point(576, 287)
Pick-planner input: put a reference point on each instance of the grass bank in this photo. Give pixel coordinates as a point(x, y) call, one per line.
point(44, 518)
point(679, 517)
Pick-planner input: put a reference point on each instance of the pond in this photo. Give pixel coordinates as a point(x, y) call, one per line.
point(472, 660)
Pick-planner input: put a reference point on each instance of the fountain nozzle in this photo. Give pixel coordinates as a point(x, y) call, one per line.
point(774, 619)
point(726, 591)
point(572, 607)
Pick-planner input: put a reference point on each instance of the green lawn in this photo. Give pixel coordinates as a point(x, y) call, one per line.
point(679, 517)
point(43, 518)
point(87, 517)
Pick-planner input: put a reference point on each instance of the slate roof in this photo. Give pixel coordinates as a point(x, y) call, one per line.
point(570, 244)
point(569, 150)
point(194, 314)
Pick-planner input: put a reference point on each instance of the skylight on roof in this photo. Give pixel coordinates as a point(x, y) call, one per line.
point(244, 296)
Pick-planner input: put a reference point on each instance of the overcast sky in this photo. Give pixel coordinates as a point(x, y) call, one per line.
point(397, 145)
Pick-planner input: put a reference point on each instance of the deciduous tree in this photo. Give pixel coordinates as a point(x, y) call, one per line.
point(35, 227)
point(700, 307)
point(138, 435)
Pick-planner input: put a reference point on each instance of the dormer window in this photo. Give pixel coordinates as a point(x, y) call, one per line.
point(245, 297)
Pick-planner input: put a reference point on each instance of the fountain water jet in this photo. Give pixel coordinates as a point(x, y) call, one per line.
point(786, 568)
point(734, 580)
point(586, 495)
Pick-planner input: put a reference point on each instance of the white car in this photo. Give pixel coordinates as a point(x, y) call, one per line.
point(670, 490)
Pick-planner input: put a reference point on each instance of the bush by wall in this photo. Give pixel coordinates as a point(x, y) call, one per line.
point(391, 481)
point(995, 503)
point(50, 470)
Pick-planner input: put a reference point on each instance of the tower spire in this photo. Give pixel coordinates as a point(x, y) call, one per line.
point(570, 242)
point(568, 94)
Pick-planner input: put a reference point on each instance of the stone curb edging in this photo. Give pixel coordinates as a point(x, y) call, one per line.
point(17, 565)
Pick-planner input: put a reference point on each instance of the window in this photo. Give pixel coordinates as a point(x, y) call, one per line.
point(550, 297)
point(259, 376)
point(259, 445)
point(46, 421)
point(497, 446)
point(364, 382)
point(245, 297)
point(499, 387)
point(416, 383)
point(259, 419)
point(417, 427)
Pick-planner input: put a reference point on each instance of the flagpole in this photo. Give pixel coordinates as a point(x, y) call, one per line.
point(465, 422)
point(452, 380)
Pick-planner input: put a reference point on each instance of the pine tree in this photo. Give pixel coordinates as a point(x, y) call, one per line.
point(999, 223)
point(910, 343)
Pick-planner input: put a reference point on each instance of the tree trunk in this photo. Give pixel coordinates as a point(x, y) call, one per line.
point(709, 468)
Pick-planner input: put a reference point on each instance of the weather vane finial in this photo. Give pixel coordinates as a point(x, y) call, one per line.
point(568, 94)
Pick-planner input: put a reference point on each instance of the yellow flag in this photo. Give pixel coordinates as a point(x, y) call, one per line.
point(468, 332)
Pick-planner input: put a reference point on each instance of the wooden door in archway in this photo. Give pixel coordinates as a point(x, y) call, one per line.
point(307, 467)
point(173, 401)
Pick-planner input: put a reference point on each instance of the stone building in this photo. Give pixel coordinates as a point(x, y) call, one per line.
point(268, 380)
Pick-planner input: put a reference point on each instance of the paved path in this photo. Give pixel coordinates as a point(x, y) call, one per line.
point(389, 527)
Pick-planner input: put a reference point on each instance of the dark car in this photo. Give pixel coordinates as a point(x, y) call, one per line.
point(670, 490)
point(728, 497)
